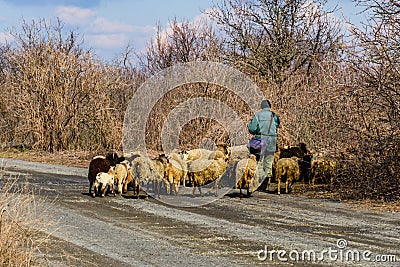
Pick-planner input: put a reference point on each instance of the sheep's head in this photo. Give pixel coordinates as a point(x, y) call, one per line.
point(112, 170)
point(163, 159)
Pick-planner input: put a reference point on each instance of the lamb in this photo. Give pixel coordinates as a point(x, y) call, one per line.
point(121, 173)
point(287, 169)
point(176, 172)
point(204, 171)
point(246, 171)
point(104, 179)
point(101, 164)
point(323, 167)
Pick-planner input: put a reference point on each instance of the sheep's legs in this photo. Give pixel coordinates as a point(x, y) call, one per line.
point(279, 186)
point(176, 188)
point(168, 187)
point(157, 184)
point(103, 190)
point(112, 188)
point(194, 190)
point(95, 188)
point(90, 188)
point(287, 186)
point(269, 183)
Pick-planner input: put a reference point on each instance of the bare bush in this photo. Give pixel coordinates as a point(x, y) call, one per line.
point(372, 160)
point(59, 97)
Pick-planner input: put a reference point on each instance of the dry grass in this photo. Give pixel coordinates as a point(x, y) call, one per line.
point(19, 218)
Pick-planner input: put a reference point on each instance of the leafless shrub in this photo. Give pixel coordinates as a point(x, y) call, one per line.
point(371, 161)
point(58, 96)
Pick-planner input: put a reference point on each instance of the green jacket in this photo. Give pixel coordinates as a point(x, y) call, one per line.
point(260, 124)
point(265, 124)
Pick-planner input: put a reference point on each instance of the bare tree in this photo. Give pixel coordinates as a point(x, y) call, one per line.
point(180, 42)
point(277, 38)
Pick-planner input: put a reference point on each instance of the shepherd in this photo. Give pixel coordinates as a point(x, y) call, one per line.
point(264, 128)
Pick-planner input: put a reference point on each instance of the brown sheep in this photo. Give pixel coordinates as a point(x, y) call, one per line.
point(176, 172)
point(101, 164)
point(246, 171)
point(131, 181)
point(300, 152)
point(205, 171)
point(287, 170)
point(323, 168)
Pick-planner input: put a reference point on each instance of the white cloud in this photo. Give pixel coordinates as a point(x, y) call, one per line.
point(74, 15)
point(107, 40)
point(105, 25)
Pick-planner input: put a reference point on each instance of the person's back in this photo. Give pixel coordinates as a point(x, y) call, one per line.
point(264, 125)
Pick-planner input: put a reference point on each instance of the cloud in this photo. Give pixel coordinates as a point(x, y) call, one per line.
point(74, 15)
point(118, 35)
point(104, 25)
point(117, 40)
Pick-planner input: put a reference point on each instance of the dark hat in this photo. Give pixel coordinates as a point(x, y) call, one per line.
point(265, 104)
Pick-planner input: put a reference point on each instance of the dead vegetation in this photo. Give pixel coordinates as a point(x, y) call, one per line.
point(19, 220)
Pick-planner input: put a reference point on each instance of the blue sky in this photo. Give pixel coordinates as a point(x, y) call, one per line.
point(108, 26)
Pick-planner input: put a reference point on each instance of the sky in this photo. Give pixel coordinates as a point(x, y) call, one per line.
point(108, 26)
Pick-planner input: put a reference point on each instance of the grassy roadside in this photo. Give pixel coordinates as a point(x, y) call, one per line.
point(20, 224)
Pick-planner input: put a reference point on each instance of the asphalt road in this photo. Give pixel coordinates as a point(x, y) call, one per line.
point(265, 229)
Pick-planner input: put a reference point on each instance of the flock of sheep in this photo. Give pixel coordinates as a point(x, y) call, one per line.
point(234, 166)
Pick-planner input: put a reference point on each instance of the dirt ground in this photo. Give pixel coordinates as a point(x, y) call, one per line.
point(230, 231)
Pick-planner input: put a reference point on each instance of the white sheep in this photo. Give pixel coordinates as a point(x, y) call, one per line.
point(198, 153)
point(104, 179)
